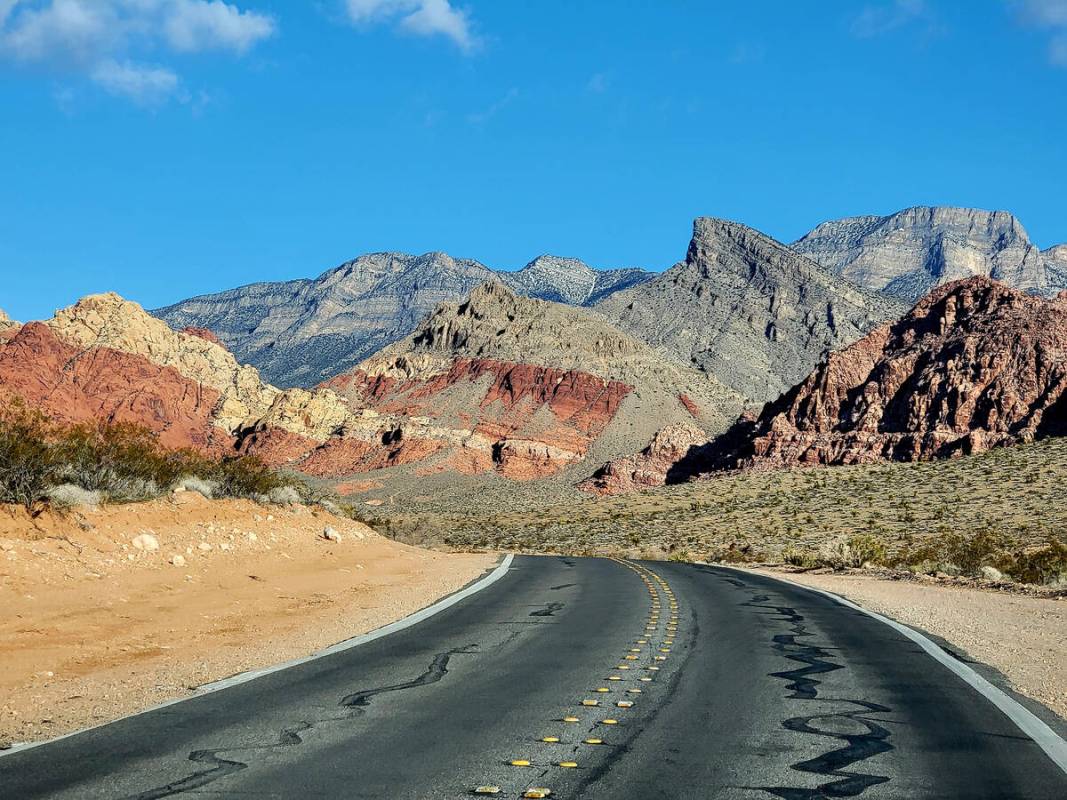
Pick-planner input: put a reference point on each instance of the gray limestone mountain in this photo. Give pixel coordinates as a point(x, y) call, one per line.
point(570, 281)
point(905, 255)
point(1056, 263)
point(301, 332)
point(747, 310)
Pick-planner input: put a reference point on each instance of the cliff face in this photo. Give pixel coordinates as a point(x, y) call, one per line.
point(907, 254)
point(975, 365)
point(75, 384)
point(747, 310)
point(299, 333)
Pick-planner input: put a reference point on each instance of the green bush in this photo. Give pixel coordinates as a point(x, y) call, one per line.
point(30, 463)
point(119, 462)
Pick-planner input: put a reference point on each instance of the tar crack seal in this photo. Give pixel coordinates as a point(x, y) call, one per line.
point(862, 736)
point(351, 704)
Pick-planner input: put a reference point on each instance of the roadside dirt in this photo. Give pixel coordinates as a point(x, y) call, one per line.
point(94, 627)
point(1025, 638)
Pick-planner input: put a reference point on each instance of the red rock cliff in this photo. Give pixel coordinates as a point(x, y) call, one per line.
point(973, 366)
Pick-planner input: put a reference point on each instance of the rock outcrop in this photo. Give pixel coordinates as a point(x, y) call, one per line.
point(652, 466)
point(905, 255)
point(975, 365)
point(527, 388)
point(299, 333)
point(105, 358)
point(747, 310)
point(8, 327)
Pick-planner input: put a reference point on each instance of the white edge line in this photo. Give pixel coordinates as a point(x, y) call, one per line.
point(340, 647)
point(1025, 720)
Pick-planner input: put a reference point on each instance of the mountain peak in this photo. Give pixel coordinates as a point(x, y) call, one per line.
point(908, 253)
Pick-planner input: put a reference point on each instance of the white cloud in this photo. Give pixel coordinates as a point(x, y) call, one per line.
point(418, 17)
point(144, 84)
point(98, 38)
point(195, 25)
point(1050, 15)
point(877, 20)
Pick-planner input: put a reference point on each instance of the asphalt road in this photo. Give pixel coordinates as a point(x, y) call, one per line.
point(760, 690)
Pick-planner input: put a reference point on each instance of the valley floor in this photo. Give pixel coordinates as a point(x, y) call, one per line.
point(95, 627)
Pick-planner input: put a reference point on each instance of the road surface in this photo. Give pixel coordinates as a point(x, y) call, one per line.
point(598, 679)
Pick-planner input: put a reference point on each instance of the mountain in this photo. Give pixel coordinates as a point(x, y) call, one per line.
point(298, 333)
point(570, 281)
point(104, 358)
point(1056, 263)
point(905, 255)
point(747, 309)
point(975, 365)
point(524, 388)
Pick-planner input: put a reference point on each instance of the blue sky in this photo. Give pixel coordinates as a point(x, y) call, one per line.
point(164, 148)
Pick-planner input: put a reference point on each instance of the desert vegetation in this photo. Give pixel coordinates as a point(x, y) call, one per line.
point(49, 465)
point(999, 512)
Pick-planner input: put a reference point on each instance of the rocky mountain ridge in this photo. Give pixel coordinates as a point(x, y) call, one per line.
point(526, 387)
point(907, 254)
point(747, 310)
point(974, 365)
point(298, 333)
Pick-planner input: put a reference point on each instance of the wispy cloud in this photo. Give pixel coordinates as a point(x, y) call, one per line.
point(99, 39)
point(598, 83)
point(883, 18)
point(145, 84)
point(748, 53)
point(1049, 15)
point(482, 117)
point(419, 18)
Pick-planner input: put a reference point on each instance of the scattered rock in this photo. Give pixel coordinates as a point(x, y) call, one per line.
point(146, 542)
point(203, 547)
point(331, 534)
point(177, 560)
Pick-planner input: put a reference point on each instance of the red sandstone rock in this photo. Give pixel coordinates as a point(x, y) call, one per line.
point(974, 365)
point(203, 333)
point(73, 385)
point(507, 412)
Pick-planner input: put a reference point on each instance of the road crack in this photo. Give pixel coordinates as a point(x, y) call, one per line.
point(352, 705)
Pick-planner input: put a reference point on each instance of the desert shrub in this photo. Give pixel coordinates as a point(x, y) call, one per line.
point(867, 549)
point(284, 495)
point(1043, 565)
point(246, 476)
point(806, 559)
point(30, 462)
point(955, 553)
point(191, 483)
point(67, 495)
point(121, 460)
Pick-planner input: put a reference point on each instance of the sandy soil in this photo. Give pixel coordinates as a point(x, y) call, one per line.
point(1025, 638)
point(94, 627)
